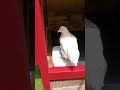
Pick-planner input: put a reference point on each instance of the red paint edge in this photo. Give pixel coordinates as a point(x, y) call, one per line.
point(71, 72)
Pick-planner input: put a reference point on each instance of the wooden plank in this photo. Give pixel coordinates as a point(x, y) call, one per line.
point(49, 48)
point(56, 5)
point(70, 72)
point(40, 45)
point(69, 13)
point(65, 13)
point(57, 18)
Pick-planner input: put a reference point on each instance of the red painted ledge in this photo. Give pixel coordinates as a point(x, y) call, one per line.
point(60, 73)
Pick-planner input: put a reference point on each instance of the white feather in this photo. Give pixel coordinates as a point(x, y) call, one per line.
point(56, 58)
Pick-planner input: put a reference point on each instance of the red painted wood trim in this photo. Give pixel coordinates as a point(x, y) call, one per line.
point(40, 45)
point(59, 73)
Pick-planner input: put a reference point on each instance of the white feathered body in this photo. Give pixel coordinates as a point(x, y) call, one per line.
point(69, 48)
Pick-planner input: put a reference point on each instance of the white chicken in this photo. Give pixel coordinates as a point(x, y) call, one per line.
point(68, 46)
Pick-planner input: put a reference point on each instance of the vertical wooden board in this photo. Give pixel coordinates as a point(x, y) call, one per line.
point(49, 48)
point(40, 45)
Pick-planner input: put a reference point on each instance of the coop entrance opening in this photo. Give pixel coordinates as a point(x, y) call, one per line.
point(63, 13)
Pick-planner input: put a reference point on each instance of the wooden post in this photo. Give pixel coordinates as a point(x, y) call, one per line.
point(47, 33)
point(49, 48)
point(40, 45)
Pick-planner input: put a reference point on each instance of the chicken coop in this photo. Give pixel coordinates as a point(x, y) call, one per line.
point(49, 16)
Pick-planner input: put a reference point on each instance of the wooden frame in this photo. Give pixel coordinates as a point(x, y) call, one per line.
point(54, 73)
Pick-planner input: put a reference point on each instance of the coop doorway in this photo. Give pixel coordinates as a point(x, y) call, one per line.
point(63, 13)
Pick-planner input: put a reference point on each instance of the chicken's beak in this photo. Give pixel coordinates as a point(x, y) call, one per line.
point(58, 31)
